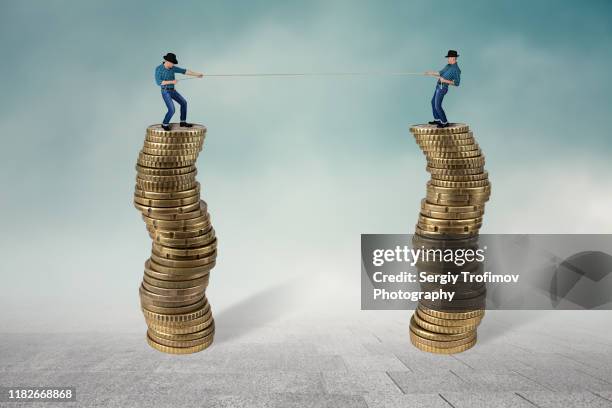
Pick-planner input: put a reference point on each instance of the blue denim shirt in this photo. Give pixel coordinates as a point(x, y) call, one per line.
point(164, 74)
point(452, 73)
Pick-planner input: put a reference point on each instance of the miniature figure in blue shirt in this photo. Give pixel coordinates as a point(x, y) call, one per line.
point(449, 75)
point(164, 77)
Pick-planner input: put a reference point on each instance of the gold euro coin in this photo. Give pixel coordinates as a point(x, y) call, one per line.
point(188, 326)
point(439, 199)
point(452, 216)
point(149, 158)
point(446, 143)
point(459, 184)
point(441, 329)
point(164, 187)
point(182, 343)
point(468, 322)
point(433, 149)
point(195, 228)
point(171, 257)
point(174, 178)
point(453, 155)
point(421, 332)
point(465, 196)
point(170, 152)
point(169, 195)
point(175, 263)
point(175, 224)
point(459, 223)
point(156, 211)
point(445, 234)
point(461, 178)
point(426, 129)
point(179, 319)
point(178, 234)
point(435, 172)
point(176, 132)
point(458, 190)
point(152, 266)
point(179, 216)
point(468, 197)
point(450, 209)
point(176, 202)
point(194, 326)
point(173, 284)
point(467, 314)
point(466, 162)
point(174, 291)
point(182, 310)
point(159, 334)
point(179, 350)
point(164, 172)
point(197, 140)
point(195, 251)
point(186, 242)
point(442, 229)
point(172, 146)
point(441, 343)
point(446, 350)
point(147, 297)
point(164, 165)
point(188, 275)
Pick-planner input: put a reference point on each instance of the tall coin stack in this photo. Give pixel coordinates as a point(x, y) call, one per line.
point(184, 249)
point(452, 211)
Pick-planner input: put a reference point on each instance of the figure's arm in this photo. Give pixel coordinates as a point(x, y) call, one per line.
point(193, 73)
point(447, 81)
point(187, 72)
point(173, 82)
point(438, 74)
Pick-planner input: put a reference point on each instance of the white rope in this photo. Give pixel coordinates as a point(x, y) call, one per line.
point(308, 74)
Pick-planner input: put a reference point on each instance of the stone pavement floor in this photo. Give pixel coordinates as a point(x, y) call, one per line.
point(522, 359)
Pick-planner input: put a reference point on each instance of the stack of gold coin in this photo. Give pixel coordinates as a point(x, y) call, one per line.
point(459, 185)
point(443, 332)
point(184, 249)
point(451, 215)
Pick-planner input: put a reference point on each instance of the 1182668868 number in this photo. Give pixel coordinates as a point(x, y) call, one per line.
point(16, 394)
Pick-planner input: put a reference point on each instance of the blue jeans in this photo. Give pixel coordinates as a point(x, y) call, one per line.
point(168, 97)
point(436, 104)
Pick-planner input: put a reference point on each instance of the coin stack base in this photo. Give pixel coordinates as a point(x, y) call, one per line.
point(452, 209)
point(184, 248)
point(441, 332)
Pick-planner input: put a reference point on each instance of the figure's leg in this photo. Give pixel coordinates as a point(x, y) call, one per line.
point(433, 106)
point(170, 105)
point(183, 103)
point(438, 103)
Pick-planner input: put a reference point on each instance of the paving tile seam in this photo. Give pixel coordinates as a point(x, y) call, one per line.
point(527, 399)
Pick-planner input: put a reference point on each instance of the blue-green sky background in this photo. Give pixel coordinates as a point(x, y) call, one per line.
point(294, 170)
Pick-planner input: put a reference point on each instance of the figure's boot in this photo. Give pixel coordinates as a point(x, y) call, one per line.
point(433, 122)
point(166, 127)
point(185, 124)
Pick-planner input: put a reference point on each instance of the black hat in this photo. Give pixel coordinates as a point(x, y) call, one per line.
point(170, 57)
point(450, 53)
